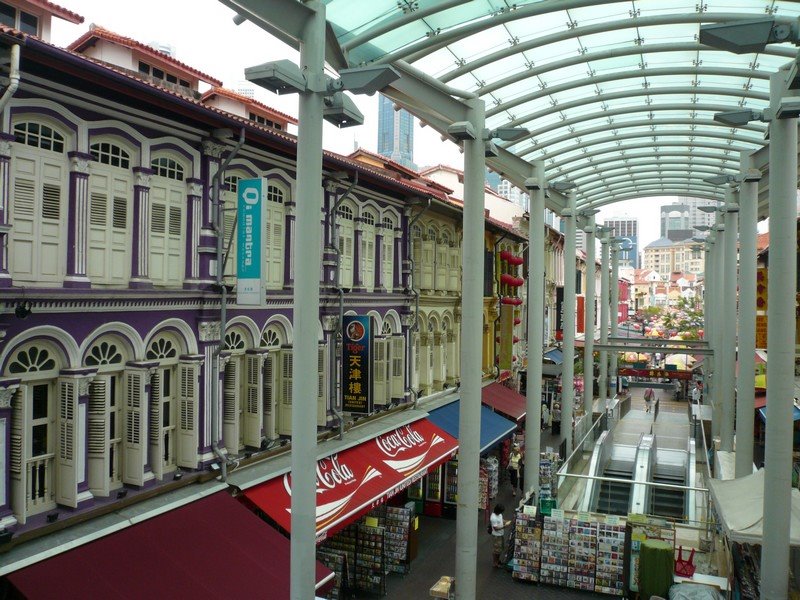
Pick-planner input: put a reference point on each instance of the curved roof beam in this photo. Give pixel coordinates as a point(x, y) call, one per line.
point(629, 170)
point(649, 185)
point(418, 50)
point(402, 19)
point(645, 145)
point(639, 73)
point(629, 110)
point(787, 53)
point(649, 134)
point(653, 161)
point(651, 174)
point(635, 196)
point(705, 123)
point(640, 92)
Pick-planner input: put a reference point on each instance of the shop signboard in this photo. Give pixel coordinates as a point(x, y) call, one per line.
point(357, 365)
point(761, 331)
point(660, 373)
point(251, 223)
point(559, 308)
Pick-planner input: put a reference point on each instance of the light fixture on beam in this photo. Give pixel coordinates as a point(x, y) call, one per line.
point(278, 76)
point(366, 80)
point(720, 179)
point(562, 185)
point(708, 208)
point(746, 37)
point(340, 110)
point(788, 108)
point(508, 134)
point(738, 118)
point(462, 131)
point(490, 149)
point(532, 183)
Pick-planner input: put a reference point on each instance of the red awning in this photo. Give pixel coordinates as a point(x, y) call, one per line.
point(352, 482)
point(212, 548)
point(504, 400)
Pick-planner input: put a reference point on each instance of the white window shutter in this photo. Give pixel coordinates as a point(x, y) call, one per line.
point(398, 366)
point(285, 407)
point(322, 404)
point(441, 266)
point(230, 405)
point(270, 392)
point(99, 456)
point(387, 259)
point(379, 373)
point(415, 350)
point(19, 453)
point(454, 272)
point(188, 401)
point(253, 416)
point(155, 433)
point(428, 264)
point(135, 446)
point(416, 255)
point(66, 454)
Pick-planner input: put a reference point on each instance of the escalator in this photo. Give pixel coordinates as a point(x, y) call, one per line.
point(668, 502)
point(614, 497)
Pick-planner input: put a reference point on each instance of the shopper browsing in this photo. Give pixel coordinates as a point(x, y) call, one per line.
point(498, 533)
point(513, 468)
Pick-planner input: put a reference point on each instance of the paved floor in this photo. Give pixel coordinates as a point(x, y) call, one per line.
point(438, 540)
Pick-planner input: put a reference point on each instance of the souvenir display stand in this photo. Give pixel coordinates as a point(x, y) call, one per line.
point(582, 553)
point(344, 543)
point(527, 546)
point(493, 471)
point(483, 486)
point(370, 569)
point(336, 561)
point(555, 550)
point(415, 494)
point(610, 574)
point(396, 521)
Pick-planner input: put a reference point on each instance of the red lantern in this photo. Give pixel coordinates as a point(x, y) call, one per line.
point(517, 321)
point(507, 279)
point(516, 339)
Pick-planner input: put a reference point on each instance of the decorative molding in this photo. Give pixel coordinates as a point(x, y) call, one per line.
point(329, 322)
point(83, 387)
point(79, 163)
point(194, 187)
point(5, 396)
point(143, 179)
point(407, 320)
point(5, 147)
point(213, 149)
point(209, 331)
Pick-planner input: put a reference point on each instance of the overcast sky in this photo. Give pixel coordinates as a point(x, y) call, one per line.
point(203, 36)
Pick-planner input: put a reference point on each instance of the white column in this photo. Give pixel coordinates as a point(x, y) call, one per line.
point(728, 316)
point(781, 290)
point(568, 323)
point(613, 284)
point(603, 379)
point(533, 400)
point(719, 286)
point(745, 397)
point(469, 421)
point(588, 321)
point(307, 264)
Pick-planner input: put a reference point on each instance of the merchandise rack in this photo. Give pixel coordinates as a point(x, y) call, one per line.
point(555, 552)
point(610, 575)
point(370, 566)
point(527, 548)
point(396, 521)
point(336, 561)
point(582, 554)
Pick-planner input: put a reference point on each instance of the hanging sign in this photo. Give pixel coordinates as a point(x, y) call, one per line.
point(251, 223)
point(357, 365)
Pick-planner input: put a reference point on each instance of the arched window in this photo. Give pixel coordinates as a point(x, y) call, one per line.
point(38, 203)
point(346, 227)
point(167, 223)
point(110, 191)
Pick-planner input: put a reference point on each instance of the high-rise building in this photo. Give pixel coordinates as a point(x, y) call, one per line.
point(697, 216)
point(395, 133)
point(511, 192)
point(626, 227)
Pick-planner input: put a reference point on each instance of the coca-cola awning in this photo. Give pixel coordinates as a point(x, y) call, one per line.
point(352, 482)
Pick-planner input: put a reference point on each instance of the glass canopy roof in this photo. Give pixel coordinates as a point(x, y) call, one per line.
point(618, 95)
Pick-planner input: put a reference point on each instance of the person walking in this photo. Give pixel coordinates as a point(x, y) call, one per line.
point(649, 395)
point(498, 533)
point(696, 394)
point(513, 468)
point(545, 416)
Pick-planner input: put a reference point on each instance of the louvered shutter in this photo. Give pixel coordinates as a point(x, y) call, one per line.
point(416, 255)
point(441, 267)
point(230, 405)
point(285, 409)
point(135, 446)
point(253, 415)
point(322, 404)
point(387, 259)
point(270, 389)
point(379, 373)
point(19, 453)
point(454, 271)
point(66, 455)
point(99, 456)
point(188, 401)
point(415, 351)
point(156, 437)
point(428, 264)
point(398, 366)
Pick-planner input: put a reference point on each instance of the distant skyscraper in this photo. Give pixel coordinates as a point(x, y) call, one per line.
point(680, 219)
point(511, 192)
point(492, 179)
point(395, 133)
point(697, 216)
point(626, 227)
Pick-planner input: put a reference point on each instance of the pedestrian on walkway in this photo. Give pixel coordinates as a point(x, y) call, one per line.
point(545, 417)
point(513, 468)
point(556, 419)
point(498, 533)
point(696, 394)
point(649, 396)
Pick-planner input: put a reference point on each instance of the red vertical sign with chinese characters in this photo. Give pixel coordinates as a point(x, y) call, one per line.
point(357, 364)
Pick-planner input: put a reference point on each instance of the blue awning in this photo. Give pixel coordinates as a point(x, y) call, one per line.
point(555, 355)
point(762, 412)
point(494, 428)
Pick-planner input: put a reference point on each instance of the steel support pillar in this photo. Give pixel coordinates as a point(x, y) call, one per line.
point(568, 323)
point(305, 319)
point(533, 399)
point(603, 378)
point(716, 314)
point(588, 320)
point(708, 334)
point(728, 316)
point(613, 313)
point(471, 333)
point(745, 394)
point(780, 346)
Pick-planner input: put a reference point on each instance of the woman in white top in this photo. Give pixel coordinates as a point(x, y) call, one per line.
point(545, 416)
point(498, 533)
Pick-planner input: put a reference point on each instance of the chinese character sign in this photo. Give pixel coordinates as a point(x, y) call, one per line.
point(357, 365)
point(251, 211)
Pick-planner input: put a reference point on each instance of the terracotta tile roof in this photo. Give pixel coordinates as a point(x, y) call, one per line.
point(58, 11)
point(221, 91)
point(762, 241)
point(96, 32)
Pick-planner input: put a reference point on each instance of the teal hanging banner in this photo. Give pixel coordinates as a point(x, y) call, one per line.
point(251, 210)
point(357, 365)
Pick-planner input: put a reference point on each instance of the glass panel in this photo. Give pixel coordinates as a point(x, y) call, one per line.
point(8, 15)
point(39, 439)
point(28, 23)
point(165, 383)
point(40, 402)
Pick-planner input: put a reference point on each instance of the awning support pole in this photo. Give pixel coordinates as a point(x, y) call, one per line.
point(728, 309)
point(603, 379)
point(568, 323)
point(588, 321)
